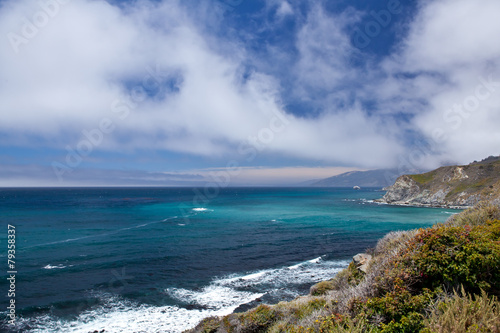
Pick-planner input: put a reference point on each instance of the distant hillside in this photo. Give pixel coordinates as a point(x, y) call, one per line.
point(371, 178)
point(459, 186)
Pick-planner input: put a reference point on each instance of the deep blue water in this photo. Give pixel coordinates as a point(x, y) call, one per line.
point(160, 259)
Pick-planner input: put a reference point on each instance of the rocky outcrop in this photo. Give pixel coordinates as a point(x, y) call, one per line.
point(361, 260)
point(452, 186)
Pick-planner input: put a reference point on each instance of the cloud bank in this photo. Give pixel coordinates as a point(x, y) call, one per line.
point(159, 76)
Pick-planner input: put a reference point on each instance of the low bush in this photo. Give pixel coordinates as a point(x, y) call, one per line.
point(484, 211)
point(453, 256)
point(348, 277)
point(258, 319)
point(464, 313)
point(321, 288)
point(208, 325)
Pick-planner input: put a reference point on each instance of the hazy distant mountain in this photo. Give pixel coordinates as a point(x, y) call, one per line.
point(371, 178)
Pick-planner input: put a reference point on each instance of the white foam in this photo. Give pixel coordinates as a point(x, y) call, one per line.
point(126, 319)
point(200, 209)
point(49, 266)
point(220, 298)
point(312, 261)
point(316, 260)
point(214, 297)
point(253, 276)
point(310, 271)
point(119, 316)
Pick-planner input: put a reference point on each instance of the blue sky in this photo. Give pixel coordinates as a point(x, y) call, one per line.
point(242, 92)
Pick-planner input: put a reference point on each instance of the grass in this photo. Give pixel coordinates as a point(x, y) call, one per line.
point(465, 187)
point(424, 178)
point(463, 313)
point(484, 211)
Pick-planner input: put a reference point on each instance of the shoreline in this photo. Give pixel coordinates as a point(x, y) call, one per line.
point(420, 205)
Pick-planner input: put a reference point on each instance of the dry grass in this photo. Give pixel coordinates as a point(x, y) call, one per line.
point(343, 290)
point(484, 211)
point(463, 313)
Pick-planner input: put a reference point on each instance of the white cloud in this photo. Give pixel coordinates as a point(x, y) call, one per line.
point(450, 34)
point(284, 9)
point(325, 51)
point(69, 76)
point(281, 8)
point(451, 49)
point(91, 54)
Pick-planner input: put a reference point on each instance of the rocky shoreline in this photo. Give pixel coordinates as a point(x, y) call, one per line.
point(414, 204)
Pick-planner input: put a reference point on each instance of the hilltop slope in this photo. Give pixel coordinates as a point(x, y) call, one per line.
point(450, 186)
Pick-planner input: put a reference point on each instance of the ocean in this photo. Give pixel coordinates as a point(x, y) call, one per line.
point(162, 259)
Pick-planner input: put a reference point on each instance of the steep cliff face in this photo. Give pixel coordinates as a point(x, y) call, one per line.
point(452, 186)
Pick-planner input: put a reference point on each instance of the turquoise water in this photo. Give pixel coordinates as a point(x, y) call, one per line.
point(160, 259)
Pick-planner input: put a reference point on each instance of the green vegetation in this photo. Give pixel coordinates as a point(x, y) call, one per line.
point(484, 211)
point(441, 279)
point(258, 319)
point(322, 288)
point(462, 314)
point(472, 187)
point(209, 325)
point(424, 178)
point(453, 256)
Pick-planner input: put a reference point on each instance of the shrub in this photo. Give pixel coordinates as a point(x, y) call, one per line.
point(348, 277)
point(289, 328)
point(464, 313)
point(478, 215)
point(393, 242)
point(258, 319)
point(411, 323)
point(322, 288)
point(208, 325)
point(299, 308)
point(399, 305)
point(355, 275)
point(338, 323)
point(454, 256)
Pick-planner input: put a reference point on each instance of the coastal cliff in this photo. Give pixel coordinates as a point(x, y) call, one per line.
point(451, 186)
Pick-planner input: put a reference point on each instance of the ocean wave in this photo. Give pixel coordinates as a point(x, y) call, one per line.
point(214, 297)
point(221, 297)
point(60, 266)
point(121, 316)
point(362, 201)
point(307, 272)
point(201, 209)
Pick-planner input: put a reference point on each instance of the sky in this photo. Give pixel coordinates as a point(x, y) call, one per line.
point(243, 92)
